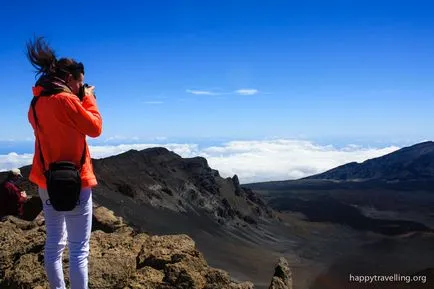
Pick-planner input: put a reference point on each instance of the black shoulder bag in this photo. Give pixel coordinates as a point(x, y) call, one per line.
point(62, 178)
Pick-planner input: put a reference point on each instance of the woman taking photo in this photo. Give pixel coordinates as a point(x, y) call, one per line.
point(63, 112)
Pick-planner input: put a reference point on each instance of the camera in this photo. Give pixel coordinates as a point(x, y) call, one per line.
point(81, 91)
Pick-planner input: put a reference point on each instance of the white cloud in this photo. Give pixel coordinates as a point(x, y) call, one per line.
point(246, 91)
point(200, 92)
point(264, 160)
point(283, 159)
point(14, 160)
point(252, 161)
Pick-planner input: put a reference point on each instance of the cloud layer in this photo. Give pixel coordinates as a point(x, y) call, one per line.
point(252, 161)
point(283, 159)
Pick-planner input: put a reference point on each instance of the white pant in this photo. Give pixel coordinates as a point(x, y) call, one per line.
point(75, 227)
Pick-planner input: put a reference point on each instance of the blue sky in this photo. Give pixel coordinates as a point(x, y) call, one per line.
point(332, 72)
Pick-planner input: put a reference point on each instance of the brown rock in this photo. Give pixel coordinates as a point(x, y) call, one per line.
point(217, 276)
point(114, 269)
point(120, 259)
point(158, 251)
point(105, 220)
point(27, 270)
point(150, 274)
point(181, 275)
point(21, 254)
point(244, 285)
point(217, 279)
point(282, 278)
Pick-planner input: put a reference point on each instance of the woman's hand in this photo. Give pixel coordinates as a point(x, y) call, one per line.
point(89, 90)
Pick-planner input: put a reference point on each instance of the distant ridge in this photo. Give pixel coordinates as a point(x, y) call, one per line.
point(415, 162)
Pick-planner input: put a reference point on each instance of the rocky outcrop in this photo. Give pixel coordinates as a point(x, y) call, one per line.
point(120, 258)
point(163, 179)
point(282, 278)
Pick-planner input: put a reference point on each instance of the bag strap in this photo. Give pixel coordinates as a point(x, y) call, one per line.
point(83, 155)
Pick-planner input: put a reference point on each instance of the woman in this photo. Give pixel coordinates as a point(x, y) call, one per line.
point(12, 198)
point(61, 120)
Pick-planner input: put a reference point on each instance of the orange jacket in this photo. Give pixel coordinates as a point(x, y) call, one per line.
point(63, 123)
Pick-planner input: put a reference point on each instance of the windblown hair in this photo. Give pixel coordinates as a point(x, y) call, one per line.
point(44, 60)
point(41, 56)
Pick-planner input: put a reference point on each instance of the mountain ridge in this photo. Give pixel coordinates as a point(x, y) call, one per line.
point(162, 178)
point(414, 162)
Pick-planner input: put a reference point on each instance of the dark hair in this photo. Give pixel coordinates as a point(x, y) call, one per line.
point(43, 58)
point(11, 176)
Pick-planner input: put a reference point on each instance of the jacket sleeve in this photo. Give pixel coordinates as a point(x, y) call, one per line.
point(84, 115)
point(13, 193)
point(31, 118)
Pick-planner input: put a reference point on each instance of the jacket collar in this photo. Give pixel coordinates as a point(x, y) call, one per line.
point(48, 85)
